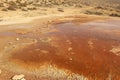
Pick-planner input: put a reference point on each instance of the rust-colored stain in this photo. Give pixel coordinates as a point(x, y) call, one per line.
point(84, 49)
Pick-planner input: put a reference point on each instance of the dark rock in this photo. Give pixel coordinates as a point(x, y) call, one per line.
point(1, 5)
point(31, 8)
point(60, 10)
point(11, 7)
point(4, 9)
point(24, 9)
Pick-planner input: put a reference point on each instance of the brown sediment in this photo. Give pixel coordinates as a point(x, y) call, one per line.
point(82, 49)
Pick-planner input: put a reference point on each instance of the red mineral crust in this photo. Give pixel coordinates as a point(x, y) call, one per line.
point(91, 49)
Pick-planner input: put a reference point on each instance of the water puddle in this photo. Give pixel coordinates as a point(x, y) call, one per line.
point(83, 49)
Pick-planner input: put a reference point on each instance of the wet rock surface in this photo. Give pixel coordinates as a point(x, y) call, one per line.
point(68, 50)
point(89, 49)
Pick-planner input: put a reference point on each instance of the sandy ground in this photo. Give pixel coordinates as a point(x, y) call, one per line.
point(19, 30)
point(10, 17)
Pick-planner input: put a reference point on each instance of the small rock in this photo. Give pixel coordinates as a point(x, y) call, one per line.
point(90, 43)
point(35, 40)
point(24, 9)
point(11, 8)
point(78, 5)
point(23, 3)
point(70, 59)
point(46, 39)
point(18, 77)
point(17, 39)
point(1, 5)
point(1, 20)
point(31, 8)
point(44, 51)
point(68, 41)
point(69, 49)
point(66, 5)
point(14, 46)
point(23, 79)
point(60, 10)
point(10, 43)
point(4, 9)
point(50, 21)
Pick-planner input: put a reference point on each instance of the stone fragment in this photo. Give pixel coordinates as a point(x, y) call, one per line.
point(24, 9)
point(18, 77)
point(17, 39)
point(60, 10)
point(4, 9)
point(70, 49)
